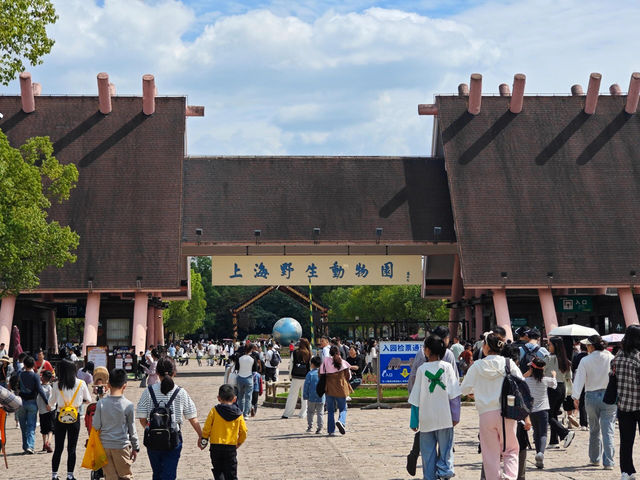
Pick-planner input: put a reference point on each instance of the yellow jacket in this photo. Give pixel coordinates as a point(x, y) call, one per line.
point(225, 425)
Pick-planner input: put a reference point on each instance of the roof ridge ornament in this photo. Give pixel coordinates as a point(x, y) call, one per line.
point(475, 94)
point(632, 95)
point(26, 93)
point(592, 93)
point(517, 99)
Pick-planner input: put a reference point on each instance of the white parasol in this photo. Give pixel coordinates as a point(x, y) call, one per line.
point(613, 338)
point(573, 331)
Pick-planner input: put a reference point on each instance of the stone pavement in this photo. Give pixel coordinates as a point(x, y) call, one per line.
point(375, 446)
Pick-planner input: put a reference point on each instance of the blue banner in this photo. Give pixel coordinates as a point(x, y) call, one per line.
point(395, 360)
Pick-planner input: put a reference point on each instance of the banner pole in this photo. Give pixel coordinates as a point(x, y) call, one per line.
point(313, 336)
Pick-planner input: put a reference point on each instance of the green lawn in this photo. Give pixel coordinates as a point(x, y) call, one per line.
point(371, 392)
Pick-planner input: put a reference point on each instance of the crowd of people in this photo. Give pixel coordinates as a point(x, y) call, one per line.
point(581, 376)
point(569, 385)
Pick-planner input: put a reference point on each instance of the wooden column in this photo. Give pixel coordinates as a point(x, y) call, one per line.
point(139, 331)
point(91, 319)
point(456, 294)
point(502, 311)
point(6, 319)
point(548, 309)
point(628, 306)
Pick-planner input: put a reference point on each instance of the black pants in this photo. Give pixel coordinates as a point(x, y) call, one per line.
point(254, 400)
point(224, 459)
point(584, 422)
point(627, 422)
point(270, 374)
point(556, 397)
point(71, 431)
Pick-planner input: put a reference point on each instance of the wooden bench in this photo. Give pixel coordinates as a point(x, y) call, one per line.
point(271, 390)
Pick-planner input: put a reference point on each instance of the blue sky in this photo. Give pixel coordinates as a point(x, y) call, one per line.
point(331, 77)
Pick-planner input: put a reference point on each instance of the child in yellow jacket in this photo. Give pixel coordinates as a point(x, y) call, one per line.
point(225, 430)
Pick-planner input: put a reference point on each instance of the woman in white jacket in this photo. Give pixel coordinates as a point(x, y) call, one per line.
point(484, 379)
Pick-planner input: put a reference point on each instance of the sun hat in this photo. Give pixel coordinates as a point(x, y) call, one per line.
point(592, 340)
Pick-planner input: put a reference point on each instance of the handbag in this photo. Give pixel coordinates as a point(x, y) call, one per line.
point(95, 456)
point(321, 387)
point(611, 393)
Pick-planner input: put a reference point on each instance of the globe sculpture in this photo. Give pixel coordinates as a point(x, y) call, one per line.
point(287, 330)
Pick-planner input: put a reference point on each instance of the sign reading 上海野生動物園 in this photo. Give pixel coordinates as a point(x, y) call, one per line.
point(395, 360)
point(319, 270)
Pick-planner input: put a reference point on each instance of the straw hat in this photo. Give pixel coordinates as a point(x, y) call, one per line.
point(100, 373)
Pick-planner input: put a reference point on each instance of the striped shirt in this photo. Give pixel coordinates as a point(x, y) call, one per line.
point(539, 392)
point(9, 401)
point(627, 370)
point(181, 407)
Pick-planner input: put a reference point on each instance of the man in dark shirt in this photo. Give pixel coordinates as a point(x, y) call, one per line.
point(29, 387)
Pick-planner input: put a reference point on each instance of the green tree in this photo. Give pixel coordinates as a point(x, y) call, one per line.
point(187, 316)
point(381, 305)
point(23, 34)
point(30, 179)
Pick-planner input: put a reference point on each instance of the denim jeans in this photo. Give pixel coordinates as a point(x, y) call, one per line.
point(28, 416)
point(165, 463)
point(436, 450)
point(540, 423)
point(341, 403)
point(245, 389)
point(602, 417)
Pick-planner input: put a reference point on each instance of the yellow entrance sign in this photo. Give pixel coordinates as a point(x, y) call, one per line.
point(320, 270)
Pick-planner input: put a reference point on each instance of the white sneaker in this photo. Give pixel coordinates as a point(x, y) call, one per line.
point(568, 439)
point(539, 460)
point(626, 476)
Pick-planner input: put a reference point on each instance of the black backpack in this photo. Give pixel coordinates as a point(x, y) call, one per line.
point(300, 368)
point(159, 435)
point(529, 355)
point(523, 401)
point(275, 359)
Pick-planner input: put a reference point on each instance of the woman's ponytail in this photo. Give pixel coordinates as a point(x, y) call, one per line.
point(165, 369)
point(334, 352)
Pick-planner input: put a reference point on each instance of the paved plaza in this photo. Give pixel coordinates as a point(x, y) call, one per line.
point(374, 447)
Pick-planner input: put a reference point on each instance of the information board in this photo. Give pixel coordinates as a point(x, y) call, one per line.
point(98, 355)
point(395, 360)
point(124, 357)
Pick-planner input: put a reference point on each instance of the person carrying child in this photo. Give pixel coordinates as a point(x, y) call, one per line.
point(46, 417)
point(225, 430)
point(315, 404)
point(435, 409)
point(538, 385)
point(114, 418)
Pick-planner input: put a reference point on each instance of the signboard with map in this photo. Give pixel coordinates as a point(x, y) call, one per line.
point(395, 360)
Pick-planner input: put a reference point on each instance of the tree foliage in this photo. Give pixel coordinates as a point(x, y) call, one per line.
point(30, 179)
point(187, 316)
point(23, 34)
point(369, 304)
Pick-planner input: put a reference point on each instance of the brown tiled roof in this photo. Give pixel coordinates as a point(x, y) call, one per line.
point(286, 197)
point(548, 190)
point(126, 207)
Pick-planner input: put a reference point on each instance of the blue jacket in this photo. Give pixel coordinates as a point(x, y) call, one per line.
point(309, 390)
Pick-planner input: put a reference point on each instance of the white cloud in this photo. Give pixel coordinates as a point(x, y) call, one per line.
point(330, 77)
